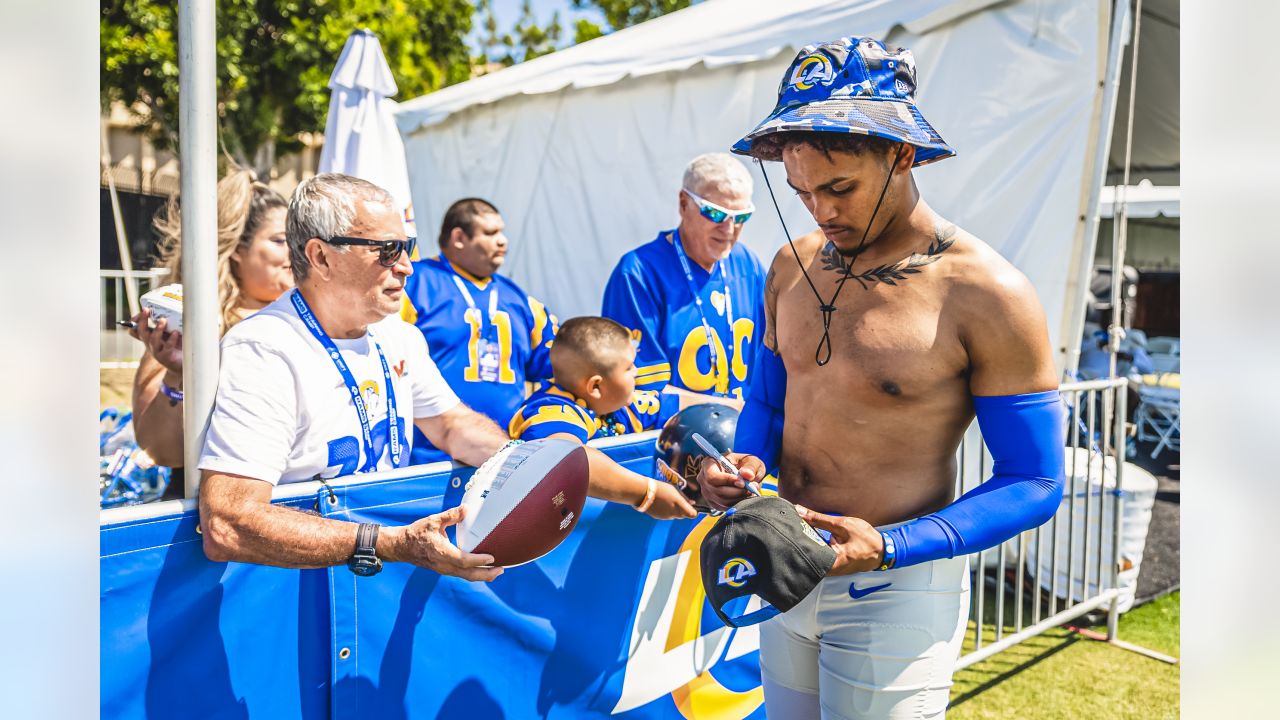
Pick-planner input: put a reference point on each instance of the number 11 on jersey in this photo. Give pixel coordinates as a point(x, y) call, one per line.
point(475, 363)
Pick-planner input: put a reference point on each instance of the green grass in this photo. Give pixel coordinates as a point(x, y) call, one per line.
point(1062, 675)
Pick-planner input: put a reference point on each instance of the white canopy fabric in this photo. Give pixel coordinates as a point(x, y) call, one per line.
point(360, 135)
point(583, 150)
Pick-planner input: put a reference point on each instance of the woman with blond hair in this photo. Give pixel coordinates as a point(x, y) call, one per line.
point(253, 270)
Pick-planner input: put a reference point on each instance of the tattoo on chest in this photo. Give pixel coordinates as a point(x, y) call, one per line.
point(943, 238)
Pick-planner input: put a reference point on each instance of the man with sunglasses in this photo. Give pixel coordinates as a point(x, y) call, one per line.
point(324, 382)
point(486, 334)
point(693, 296)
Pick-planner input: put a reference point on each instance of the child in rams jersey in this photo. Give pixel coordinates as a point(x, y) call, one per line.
point(593, 393)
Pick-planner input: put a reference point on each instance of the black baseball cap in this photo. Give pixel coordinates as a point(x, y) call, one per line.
point(762, 548)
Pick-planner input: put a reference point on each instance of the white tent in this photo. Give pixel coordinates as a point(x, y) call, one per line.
point(360, 136)
point(583, 150)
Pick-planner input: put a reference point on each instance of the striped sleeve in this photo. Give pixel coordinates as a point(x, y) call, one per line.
point(545, 416)
point(542, 333)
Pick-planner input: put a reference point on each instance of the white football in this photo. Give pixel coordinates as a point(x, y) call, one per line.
point(524, 501)
point(165, 302)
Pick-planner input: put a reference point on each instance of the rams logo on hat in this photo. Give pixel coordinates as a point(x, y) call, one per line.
point(811, 71)
point(735, 571)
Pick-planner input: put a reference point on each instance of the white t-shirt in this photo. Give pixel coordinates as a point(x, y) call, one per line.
point(283, 414)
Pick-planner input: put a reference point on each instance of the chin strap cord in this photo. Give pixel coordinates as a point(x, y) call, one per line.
point(822, 355)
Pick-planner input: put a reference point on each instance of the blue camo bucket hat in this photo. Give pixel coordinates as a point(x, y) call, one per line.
point(851, 85)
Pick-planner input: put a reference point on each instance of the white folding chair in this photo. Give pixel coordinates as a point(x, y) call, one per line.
point(1159, 418)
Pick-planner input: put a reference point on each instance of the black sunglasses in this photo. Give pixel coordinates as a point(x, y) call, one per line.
point(388, 250)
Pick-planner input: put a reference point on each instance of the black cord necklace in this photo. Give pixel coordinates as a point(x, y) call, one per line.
point(822, 355)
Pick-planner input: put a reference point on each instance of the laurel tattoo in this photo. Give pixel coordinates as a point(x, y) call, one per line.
point(944, 237)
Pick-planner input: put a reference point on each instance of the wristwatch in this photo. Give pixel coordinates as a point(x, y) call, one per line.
point(365, 561)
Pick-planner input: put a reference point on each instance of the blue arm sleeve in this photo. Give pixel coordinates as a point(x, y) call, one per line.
point(1025, 434)
point(759, 430)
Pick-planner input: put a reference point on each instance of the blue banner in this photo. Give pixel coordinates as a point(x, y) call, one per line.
point(613, 623)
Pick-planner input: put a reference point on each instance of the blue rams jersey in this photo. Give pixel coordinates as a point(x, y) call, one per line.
point(518, 335)
point(554, 410)
point(649, 293)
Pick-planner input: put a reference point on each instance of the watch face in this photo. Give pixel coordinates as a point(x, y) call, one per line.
point(365, 566)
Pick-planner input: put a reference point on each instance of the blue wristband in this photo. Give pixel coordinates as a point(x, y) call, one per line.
point(175, 396)
point(890, 555)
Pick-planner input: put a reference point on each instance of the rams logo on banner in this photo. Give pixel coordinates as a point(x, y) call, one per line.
point(672, 654)
point(812, 70)
point(735, 572)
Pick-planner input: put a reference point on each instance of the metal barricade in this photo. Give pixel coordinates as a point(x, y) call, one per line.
point(1026, 603)
point(116, 349)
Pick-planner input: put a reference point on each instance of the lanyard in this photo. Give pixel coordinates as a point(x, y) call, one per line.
point(466, 294)
point(393, 419)
point(697, 301)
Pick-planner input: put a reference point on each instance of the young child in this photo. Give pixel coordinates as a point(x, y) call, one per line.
point(593, 393)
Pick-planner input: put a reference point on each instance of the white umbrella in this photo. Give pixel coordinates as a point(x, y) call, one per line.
point(360, 137)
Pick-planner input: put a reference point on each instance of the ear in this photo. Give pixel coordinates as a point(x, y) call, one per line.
point(318, 254)
point(593, 386)
point(905, 158)
point(457, 238)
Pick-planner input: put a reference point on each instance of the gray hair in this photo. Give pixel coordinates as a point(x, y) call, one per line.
point(324, 206)
point(719, 170)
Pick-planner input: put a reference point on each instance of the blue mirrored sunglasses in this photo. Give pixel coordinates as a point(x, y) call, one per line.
point(717, 214)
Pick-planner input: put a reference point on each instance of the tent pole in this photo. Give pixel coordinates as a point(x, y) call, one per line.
point(1087, 238)
point(1120, 220)
point(126, 255)
point(198, 153)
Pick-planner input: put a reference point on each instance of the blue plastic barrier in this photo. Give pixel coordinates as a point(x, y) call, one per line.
point(612, 623)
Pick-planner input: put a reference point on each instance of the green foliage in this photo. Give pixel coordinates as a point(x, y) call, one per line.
point(274, 58)
point(586, 30)
point(625, 13)
point(534, 39)
point(495, 46)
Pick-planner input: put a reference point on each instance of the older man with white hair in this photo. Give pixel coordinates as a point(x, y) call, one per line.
point(693, 297)
point(324, 382)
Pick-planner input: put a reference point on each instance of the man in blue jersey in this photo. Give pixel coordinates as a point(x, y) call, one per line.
point(693, 297)
point(888, 330)
point(487, 335)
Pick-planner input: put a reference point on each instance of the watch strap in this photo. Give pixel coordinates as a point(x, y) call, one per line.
point(367, 539)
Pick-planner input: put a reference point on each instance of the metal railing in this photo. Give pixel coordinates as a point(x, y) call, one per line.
point(116, 348)
point(1033, 591)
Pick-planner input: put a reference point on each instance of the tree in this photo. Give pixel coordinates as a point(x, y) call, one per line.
point(586, 30)
point(274, 58)
point(535, 39)
point(625, 13)
point(495, 47)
